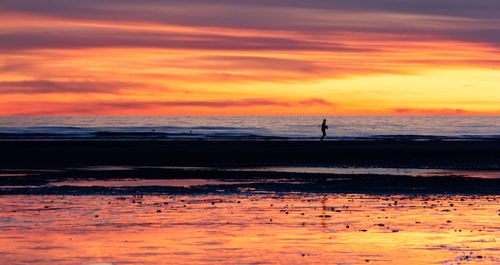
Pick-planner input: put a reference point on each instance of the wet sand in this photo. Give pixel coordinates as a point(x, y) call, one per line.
point(166, 180)
point(249, 202)
point(273, 228)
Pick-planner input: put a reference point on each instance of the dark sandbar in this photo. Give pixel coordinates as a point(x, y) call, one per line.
point(369, 153)
point(45, 161)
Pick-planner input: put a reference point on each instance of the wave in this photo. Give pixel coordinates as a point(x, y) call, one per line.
point(442, 128)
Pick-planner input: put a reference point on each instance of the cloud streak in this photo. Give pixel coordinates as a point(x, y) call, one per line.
point(247, 102)
point(458, 19)
point(444, 111)
point(88, 38)
point(62, 87)
point(164, 106)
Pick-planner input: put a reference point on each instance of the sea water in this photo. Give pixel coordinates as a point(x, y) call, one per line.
point(250, 127)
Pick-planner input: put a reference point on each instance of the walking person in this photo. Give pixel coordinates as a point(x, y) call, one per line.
point(323, 129)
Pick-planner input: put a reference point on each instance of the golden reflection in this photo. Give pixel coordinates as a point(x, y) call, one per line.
point(229, 229)
point(323, 212)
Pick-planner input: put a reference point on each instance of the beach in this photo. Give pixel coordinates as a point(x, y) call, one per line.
point(144, 201)
point(249, 132)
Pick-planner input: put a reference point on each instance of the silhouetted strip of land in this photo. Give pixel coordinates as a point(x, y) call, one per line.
point(370, 153)
point(28, 166)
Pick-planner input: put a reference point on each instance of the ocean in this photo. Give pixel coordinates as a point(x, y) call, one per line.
point(250, 127)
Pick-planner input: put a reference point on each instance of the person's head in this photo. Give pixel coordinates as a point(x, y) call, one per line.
point(324, 120)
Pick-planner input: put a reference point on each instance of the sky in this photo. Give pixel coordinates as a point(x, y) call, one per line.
point(260, 57)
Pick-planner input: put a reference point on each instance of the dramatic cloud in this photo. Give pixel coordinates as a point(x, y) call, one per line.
point(249, 57)
point(457, 19)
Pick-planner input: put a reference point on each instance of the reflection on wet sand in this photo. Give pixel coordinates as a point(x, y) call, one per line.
point(272, 228)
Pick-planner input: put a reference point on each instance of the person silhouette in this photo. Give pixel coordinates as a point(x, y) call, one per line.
point(323, 129)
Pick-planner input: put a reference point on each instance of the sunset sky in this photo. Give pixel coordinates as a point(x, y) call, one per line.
point(156, 57)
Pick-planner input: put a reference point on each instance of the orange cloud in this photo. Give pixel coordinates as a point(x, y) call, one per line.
point(407, 111)
point(62, 87)
point(104, 107)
